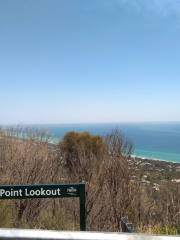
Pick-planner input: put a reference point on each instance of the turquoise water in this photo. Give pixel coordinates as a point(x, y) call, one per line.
point(151, 140)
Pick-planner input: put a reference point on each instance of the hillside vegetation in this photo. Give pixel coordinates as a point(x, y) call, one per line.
point(113, 183)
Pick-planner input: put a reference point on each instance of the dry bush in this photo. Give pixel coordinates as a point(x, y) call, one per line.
point(167, 210)
point(154, 211)
point(142, 209)
point(108, 187)
point(116, 178)
point(117, 191)
point(26, 158)
point(87, 170)
point(5, 214)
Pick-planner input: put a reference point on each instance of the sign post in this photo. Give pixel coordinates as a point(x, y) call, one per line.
point(69, 190)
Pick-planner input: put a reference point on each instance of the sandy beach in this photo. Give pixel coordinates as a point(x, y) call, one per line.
point(152, 159)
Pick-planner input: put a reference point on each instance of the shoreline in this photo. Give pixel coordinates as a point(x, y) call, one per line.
point(53, 142)
point(153, 159)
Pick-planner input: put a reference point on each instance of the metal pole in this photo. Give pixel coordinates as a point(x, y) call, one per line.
point(82, 207)
point(123, 224)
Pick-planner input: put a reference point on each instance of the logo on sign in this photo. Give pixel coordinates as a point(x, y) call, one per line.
point(71, 191)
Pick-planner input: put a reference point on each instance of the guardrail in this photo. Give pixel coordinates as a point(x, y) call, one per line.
point(23, 234)
point(127, 227)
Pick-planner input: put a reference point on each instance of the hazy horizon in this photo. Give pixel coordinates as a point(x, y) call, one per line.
point(74, 123)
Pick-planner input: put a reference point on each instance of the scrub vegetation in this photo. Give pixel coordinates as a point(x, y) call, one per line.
point(28, 156)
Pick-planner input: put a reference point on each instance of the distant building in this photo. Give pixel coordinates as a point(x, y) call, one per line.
point(143, 181)
point(156, 188)
point(175, 180)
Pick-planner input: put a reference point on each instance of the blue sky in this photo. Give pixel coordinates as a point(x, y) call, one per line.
point(81, 61)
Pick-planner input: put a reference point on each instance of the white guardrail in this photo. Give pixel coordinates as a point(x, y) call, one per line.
point(24, 234)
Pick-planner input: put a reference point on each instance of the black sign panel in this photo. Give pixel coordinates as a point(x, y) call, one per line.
point(39, 191)
point(48, 191)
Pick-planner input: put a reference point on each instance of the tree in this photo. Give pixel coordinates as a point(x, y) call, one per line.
point(75, 142)
point(27, 160)
point(102, 164)
point(117, 184)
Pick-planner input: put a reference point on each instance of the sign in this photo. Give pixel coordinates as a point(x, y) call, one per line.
point(40, 191)
point(48, 191)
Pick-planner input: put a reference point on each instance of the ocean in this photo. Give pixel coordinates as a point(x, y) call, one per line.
point(150, 140)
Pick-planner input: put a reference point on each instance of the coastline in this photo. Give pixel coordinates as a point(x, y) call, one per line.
point(153, 159)
point(155, 141)
point(157, 155)
point(138, 153)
